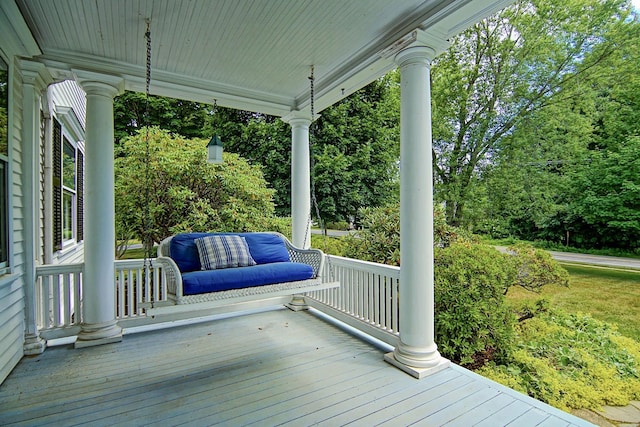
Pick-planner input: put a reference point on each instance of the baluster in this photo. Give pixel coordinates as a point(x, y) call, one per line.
point(66, 299)
point(77, 295)
point(121, 297)
point(395, 287)
point(157, 277)
point(56, 300)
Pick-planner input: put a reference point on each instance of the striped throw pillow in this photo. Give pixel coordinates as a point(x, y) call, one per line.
point(218, 252)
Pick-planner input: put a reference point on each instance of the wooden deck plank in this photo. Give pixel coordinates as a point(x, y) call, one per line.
point(555, 422)
point(505, 415)
point(532, 418)
point(292, 383)
point(394, 404)
point(309, 411)
point(358, 406)
point(416, 409)
point(463, 405)
point(481, 412)
point(270, 368)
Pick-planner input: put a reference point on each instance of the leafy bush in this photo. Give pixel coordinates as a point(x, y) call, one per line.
point(536, 268)
point(329, 245)
point(379, 238)
point(571, 361)
point(186, 193)
point(473, 322)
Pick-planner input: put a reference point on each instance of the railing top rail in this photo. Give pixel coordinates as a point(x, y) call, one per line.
point(129, 263)
point(48, 269)
point(373, 267)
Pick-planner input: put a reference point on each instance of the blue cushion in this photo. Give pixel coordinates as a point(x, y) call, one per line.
point(199, 282)
point(264, 248)
point(184, 252)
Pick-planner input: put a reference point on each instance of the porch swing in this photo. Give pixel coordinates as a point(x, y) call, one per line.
point(210, 270)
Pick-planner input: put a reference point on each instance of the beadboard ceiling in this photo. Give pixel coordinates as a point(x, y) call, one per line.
point(250, 54)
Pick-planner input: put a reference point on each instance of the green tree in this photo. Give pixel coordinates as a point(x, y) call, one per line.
point(606, 198)
point(529, 190)
point(354, 147)
point(177, 116)
point(184, 192)
point(502, 70)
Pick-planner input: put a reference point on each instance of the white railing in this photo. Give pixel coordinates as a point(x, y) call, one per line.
point(59, 294)
point(137, 290)
point(367, 298)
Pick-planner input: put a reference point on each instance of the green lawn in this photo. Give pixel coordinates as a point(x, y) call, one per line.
point(610, 295)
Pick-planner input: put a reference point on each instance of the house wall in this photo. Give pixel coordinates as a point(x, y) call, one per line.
point(11, 285)
point(67, 104)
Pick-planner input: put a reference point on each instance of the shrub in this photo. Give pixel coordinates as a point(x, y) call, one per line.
point(184, 192)
point(327, 244)
point(379, 238)
point(473, 322)
point(571, 361)
point(536, 268)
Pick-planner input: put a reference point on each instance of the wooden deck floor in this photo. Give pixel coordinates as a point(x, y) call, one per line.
point(270, 368)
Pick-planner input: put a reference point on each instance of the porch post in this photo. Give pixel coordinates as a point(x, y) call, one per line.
point(33, 85)
point(416, 353)
point(99, 324)
point(300, 181)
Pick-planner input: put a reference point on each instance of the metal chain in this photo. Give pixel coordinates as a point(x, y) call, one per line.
point(147, 216)
point(311, 158)
point(314, 200)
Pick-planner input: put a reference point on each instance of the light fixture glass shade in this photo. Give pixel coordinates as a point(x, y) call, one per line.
point(214, 150)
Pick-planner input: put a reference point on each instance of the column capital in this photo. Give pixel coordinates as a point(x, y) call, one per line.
point(415, 55)
point(425, 46)
point(299, 118)
point(35, 74)
point(99, 84)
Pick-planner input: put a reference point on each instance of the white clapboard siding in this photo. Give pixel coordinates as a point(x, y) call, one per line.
point(11, 288)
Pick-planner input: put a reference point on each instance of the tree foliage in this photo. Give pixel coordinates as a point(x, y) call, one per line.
point(184, 192)
point(500, 71)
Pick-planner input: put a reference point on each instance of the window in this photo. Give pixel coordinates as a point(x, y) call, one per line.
point(4, 160)
point(69, 192)
point(67, 189)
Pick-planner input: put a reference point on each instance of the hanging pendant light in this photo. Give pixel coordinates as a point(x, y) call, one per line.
point(214, 148)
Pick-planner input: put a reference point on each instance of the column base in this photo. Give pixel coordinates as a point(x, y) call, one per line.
point(414, 371)
point(34, 344)
point(98, 334)
point(297, 303)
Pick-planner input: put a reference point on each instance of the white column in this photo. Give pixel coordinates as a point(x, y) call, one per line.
point(99, 325)
point(416, 352)
point(32, 87)
point(300, 181)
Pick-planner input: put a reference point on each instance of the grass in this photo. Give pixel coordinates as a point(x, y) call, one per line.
point(610, 295)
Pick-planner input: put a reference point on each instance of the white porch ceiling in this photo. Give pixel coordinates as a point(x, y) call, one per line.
point(249, 54)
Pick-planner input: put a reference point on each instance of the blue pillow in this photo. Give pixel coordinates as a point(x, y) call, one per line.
point(224, 251)
point(184, 252)
point(266, 248)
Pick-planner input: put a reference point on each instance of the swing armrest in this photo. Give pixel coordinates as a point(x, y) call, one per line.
point(312, 257)
point(172, 275)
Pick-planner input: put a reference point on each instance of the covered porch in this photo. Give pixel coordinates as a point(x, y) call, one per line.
point(267, 367)
point(272, 366)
